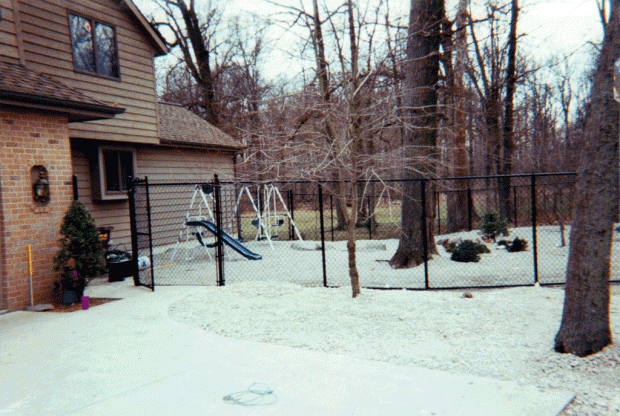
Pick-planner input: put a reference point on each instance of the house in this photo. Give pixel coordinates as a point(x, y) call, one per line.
point(78, 101)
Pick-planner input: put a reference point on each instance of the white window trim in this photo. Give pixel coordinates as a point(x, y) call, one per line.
point(100, 192)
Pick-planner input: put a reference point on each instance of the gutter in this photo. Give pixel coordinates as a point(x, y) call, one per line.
point(23, 99)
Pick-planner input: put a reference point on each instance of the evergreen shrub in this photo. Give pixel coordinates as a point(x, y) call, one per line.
point(80, 257)
point(493, 225)
point(469, 252)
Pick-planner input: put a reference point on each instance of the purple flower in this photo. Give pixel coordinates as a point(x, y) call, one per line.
point(75, 273)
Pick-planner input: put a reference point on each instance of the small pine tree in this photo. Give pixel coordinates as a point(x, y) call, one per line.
point(493, 225)
point(80, 257)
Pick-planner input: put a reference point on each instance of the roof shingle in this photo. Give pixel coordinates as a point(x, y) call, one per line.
point(19, 79)
point(178, 125)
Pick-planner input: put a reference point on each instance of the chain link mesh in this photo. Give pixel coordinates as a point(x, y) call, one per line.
point(273, 232)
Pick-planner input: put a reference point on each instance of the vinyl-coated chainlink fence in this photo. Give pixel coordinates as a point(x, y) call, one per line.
point(220, 233)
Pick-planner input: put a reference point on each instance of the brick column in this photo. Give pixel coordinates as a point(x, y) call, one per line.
point(27, 140)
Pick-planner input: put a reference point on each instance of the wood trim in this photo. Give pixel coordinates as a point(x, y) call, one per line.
point(18, 33)
point(99, 192)
point(163, 49)
point(93, 21)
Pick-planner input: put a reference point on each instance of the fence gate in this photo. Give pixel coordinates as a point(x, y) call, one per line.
point(141, 237)
point(174, 229)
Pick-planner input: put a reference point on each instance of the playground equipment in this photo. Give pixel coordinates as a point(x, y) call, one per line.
point(227, 238)
point(200, 218)
point(203, 198)
point(268, 219)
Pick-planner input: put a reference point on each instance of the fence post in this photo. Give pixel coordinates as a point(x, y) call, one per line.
point(322, 235)
point(238, 214)
point(331, 212)
point(514, 195)
point(150, 232)
point(131, 193)
point(534, 237)
point(291, 208)
point(424, 232)
point(470, 208)
point(219, 256)
point(369, 219)
point(438, 205)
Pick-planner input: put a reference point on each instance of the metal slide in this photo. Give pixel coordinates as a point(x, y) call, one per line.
point(228, 239)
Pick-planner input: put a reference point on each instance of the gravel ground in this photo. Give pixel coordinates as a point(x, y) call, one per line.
point(505, 334)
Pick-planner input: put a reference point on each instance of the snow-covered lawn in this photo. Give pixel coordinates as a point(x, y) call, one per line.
point(505, 334)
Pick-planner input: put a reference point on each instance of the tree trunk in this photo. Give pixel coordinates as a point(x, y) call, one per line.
point(505, 204)
point(202, 71)
point(337, 148)
point(351, 249)
point(410, 252)
point(585, 327)
point(457, 197)
point(422, 75)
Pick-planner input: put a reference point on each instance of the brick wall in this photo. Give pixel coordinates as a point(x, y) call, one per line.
point(27, 140)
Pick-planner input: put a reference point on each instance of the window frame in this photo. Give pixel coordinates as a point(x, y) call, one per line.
point(101, 189)
point(93, 23)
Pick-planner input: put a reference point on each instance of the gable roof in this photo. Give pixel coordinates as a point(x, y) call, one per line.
point(156, 37)
point(22, 87)
point(179, 126)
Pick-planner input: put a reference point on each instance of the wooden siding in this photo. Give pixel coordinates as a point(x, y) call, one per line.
point(115, 213)
point(47, 49)
point(183, 165)
point(160, 164)
point(8, 33)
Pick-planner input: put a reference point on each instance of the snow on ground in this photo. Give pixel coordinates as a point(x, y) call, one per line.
point(505, 334)
point(301, 262)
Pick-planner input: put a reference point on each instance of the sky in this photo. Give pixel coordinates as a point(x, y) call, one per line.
point(552, 28)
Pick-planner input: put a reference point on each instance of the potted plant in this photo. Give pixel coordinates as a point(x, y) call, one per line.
point(80, 257)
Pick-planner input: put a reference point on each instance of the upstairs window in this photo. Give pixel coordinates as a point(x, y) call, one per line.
point(94, 46)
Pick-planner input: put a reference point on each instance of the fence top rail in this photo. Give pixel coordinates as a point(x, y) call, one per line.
point(142, 181)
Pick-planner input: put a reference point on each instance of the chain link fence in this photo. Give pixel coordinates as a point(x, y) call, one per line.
point(293, 232)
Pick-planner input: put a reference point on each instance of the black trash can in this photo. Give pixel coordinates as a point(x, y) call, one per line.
point(119, 265)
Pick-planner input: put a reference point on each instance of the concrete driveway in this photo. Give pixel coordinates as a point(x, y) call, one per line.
point(129, 357)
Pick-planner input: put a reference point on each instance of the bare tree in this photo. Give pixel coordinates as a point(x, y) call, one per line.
point(507, 148)
point(495, 69)
point(421, 115)
point(192, 40)
point(585, 327)
point(455, 47)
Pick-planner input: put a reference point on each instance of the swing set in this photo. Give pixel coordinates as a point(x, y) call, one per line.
point(267, 222)
point(199, 210)
point(268, 219)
